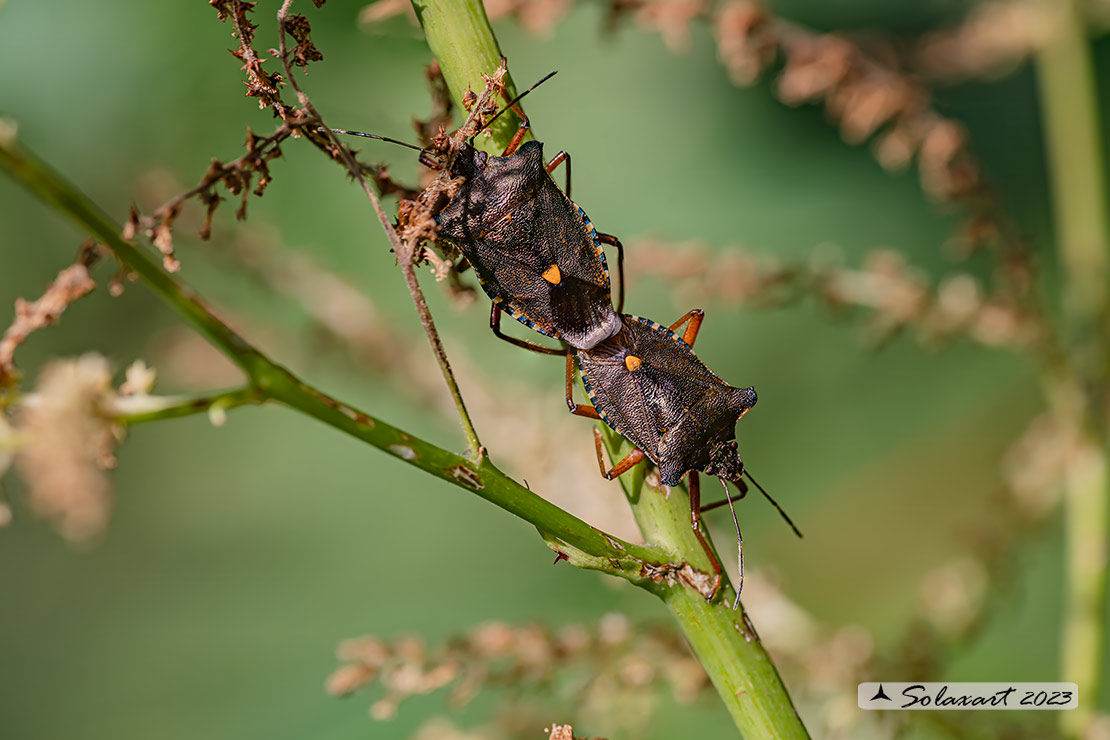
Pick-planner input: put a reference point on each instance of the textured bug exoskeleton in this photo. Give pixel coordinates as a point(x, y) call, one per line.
point(535, 252)
point(647, 384)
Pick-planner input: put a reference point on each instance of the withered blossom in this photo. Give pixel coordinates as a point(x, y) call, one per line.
point(992, 41)
point(305, 51)
point(896, 294)
point(623, 664)
point(951, 595)
point(69, 445)
point(138, 379)
point(1035, 465)
point(71, 284)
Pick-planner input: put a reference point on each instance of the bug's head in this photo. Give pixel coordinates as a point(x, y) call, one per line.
point(722, 456)
point(468, 162)
point(724, 461)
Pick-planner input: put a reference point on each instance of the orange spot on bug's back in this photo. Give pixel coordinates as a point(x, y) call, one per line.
point(633, 363)
point(552, 275)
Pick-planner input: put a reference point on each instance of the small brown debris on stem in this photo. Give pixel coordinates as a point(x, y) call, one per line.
point(260, 84)
point(71, 284)
point(305, 51)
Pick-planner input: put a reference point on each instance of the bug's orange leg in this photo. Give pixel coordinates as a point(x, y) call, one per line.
point(517, 139)
point(587, 411)
point(695, 317)
point(630, 460)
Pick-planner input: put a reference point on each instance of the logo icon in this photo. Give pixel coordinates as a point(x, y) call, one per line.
point(880, 694)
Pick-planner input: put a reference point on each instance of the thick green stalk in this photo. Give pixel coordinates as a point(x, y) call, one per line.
point(724, 639)
point(460, 37)
point(1069, 108)
point(582, 544)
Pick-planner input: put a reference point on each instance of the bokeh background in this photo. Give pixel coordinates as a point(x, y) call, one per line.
point(238, 557)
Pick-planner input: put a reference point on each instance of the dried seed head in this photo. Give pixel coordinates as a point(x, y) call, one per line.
point(69, 445)
point(139, 380)
point(952, 595)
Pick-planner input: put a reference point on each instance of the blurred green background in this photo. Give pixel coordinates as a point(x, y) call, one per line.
point(238, 557)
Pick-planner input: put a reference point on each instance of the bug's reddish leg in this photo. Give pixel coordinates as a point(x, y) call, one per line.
point(740, 486)
point(517, 139)
point(615, 242)
point(600, 453)
point(557, 160)
point(693, 486)
point(587, 411)
point(630, 460)
point(495, 325)
point(695, 317)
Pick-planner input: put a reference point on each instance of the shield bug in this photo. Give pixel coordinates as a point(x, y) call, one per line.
point(536, 254)
point(647, 384)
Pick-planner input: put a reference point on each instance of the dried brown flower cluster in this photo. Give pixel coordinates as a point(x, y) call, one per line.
point(67, 445)
point(63, 436)
point(265, 86)
point(565, 732)
point(71, 284)
point(994, 39)
point(250, 173)
point(865, 98)
point(609, 662)
point(509, 726)
point(236, 176)
point(538, 16)
point(305, 51)
point(896, 295)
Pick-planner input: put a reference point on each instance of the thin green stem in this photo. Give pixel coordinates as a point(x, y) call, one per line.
point(406, 256)
point(1069, 108)
point(132, 410)
point(581, 543)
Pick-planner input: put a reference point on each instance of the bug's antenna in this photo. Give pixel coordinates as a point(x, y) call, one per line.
point(739, 545)
point(773, 503)
point(373, 136)
point(516, 100)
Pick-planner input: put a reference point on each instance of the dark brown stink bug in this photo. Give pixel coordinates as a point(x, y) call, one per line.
point(535, 252)
point(649, 386)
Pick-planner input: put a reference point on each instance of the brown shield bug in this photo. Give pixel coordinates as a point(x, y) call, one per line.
point(647, 384)
point(536, 254)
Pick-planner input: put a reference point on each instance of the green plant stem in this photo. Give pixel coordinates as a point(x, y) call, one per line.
point(582, 544)
point(460, 37)
point(161, 407)
point(724, 639)
point(1069, 108)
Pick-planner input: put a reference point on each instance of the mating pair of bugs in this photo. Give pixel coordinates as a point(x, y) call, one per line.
point(540, 260)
